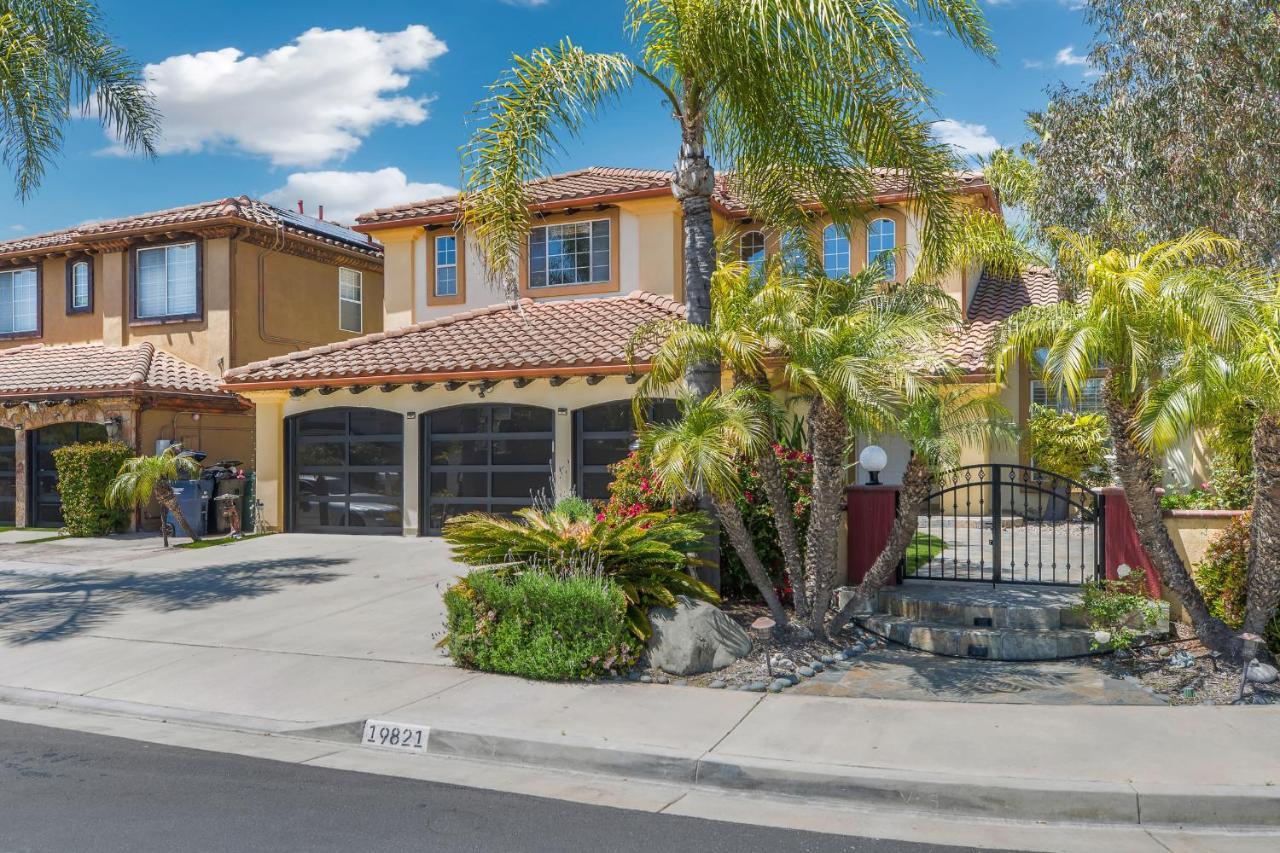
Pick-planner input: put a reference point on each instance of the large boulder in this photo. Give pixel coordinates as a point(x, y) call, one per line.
point(695, 637)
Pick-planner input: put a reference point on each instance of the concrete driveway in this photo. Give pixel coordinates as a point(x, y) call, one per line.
point(290, 627)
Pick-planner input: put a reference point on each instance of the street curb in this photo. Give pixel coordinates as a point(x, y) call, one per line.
point(1244, 807)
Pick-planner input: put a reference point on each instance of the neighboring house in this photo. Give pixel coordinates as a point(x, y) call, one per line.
point(122, 329)
point(464, 405)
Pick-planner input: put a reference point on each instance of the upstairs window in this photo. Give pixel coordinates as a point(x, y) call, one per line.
point(446, 281)
point(751, 250)
point(792, 249)
point(570, 253)
point(168, 282)
point(19, 302)
point(79, 287)
point(835, 252)
point(882, 240)
point(350, 300)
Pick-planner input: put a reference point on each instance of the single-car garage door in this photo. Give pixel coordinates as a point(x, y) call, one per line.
point(46, 501)
point(602, 435)
point(346, 471)
point(8, 481)
point(487, 458)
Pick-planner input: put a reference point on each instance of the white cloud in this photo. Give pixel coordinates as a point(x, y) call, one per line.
point(968, 139)
point(345, 195)
point(1068, 56)
point(1032, 63)
point(302, 104)
point(528, 4)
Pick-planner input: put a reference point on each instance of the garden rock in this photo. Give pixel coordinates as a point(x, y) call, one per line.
point(756, 687)
point(1261, 673)
point(778, 686)
point(807, 672)
point(694, 638)
point(717, 685)
point(1181, 659)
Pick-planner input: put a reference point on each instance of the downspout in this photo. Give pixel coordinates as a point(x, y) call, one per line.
point(263, 334)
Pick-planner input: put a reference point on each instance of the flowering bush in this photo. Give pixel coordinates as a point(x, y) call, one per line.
point(1223, 577)
point(797, 474)
point(633, 491)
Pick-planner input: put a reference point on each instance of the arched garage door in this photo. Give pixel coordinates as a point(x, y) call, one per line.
point(602, 435)
point(46, 502)
point(8, 482)
point(346, 471)
point(487, 458)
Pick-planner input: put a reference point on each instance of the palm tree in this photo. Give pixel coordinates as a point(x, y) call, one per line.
point(55, 57)
point(938, 423)
point(1140, 313)
point(803, 98)
point(143, 479)
point(1213, 381)
point(701, 454)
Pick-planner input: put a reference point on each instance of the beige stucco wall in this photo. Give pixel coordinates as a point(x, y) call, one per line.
point(272, 407)
point(1193, 531)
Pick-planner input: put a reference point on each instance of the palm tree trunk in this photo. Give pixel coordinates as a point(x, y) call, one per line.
point(828, 431)
point(784, 522)
point(731, 518)
point(916, 484)
point(1264, 537)
point(1136, 471)
point(164, 496)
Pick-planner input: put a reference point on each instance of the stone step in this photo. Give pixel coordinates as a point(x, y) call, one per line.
point(976, 605)
point(993, 643)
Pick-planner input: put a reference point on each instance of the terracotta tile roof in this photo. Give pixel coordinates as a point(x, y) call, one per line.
point(240, 208)
point(600, 181)
point(532, 338)
point(995, 300)
point(66, 368)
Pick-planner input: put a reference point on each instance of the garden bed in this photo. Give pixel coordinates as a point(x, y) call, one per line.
point(1204, 682)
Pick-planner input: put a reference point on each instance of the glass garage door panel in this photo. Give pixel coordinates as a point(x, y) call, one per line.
point(603, 435)
point(46, 502)
point(8, 473)
point(486, 458)
point(347, 471)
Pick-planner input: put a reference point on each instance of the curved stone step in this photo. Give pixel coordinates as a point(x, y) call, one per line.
point(972, 605)
point(1011, 644)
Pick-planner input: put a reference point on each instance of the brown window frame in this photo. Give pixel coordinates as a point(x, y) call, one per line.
point(198, 314)
point(72, 308)
point(38, 332)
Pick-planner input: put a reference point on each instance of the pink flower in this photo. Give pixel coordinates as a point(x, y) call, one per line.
point(748, 497)
point(600, 516)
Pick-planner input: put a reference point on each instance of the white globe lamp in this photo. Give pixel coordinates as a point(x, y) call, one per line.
point(873, 459)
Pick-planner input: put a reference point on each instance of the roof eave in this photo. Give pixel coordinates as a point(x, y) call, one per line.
point(539, 372)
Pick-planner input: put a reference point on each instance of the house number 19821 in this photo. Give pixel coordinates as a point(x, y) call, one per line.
point(401, 736)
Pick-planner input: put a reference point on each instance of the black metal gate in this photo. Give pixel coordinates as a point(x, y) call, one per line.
point(1009, 524)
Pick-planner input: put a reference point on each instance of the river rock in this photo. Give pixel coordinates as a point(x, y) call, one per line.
point(695, 637)
point(1261, 673)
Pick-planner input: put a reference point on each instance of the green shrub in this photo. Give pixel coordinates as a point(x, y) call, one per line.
point(1223, 578)
point(576, 508)
point(1121, 608)
point(535, 625)
point(85, 471)
point(1069, 444)
point(633, 490)
point(646, 555)
point(797, 476)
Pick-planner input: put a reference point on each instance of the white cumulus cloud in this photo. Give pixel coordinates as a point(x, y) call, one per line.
point(302, 104)
point(345, 195)
point(970, 139)
point(1068, 56)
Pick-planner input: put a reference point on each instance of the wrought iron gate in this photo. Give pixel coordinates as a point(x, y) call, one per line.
point(1009, 524)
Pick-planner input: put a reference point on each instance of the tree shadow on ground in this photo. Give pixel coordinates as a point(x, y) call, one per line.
point(963, 678)
point(44, 607)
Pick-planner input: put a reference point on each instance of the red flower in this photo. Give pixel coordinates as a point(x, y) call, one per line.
point(748, 497)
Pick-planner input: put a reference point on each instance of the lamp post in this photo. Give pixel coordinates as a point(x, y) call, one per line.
point(873, 459)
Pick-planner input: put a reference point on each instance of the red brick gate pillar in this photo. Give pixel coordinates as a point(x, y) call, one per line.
point(1121, 543)
point(871, 511)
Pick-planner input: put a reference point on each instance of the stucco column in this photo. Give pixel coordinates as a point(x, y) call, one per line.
point(21, 478)
point(412, 476)
point(562, 475)
point(269, 458)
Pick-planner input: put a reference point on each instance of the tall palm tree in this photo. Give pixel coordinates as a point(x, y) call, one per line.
point(143, 479)
point(54, 58)
point(804, 99)
point(937, 424)
point(1213, 381)
point(1140, 313)
point(701, 454)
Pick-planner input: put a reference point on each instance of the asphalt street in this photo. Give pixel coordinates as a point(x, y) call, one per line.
point(67, 791)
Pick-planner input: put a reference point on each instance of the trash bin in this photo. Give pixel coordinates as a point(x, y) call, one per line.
point(218, 523)
point(193, 499)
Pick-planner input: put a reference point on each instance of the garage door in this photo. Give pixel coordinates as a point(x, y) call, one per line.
point(8, 483)
point(346, 471)
point(46, 502)
point(489, 458)
point(603, 435)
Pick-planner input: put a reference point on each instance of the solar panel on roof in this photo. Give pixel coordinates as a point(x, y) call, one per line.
point(319, 226)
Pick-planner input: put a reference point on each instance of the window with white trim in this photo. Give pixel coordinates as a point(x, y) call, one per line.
point(80, 286)
point(350, 300)
point(751, 250)
point(1090, 396)
point(835, 251)
point(168, 282)
point(446, 279)
point(569, 253)
point(882, 240)
point(19, 301)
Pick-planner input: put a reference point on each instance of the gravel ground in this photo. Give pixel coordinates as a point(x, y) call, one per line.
point(1204, 682)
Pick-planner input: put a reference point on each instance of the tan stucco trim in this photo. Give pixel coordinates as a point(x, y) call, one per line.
point(613, 285)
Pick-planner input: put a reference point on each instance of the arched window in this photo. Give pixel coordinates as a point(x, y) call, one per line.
point(80, 290)
point(882, 239)
point(751, 250)
point(835, 252)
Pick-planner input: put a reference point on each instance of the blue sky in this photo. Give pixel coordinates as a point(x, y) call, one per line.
point(354, 105)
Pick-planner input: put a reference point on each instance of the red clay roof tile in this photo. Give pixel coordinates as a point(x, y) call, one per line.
point(995, 300)
point(65, 368)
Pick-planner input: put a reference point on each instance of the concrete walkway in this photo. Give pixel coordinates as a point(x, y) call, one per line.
point(306, 637)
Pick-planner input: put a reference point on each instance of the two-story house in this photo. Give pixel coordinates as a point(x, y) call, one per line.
point(469, 403)
point(122, 329)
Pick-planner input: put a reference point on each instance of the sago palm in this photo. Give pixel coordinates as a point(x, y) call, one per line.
point(143, 479)
point(56, 58)
point(1138, 315)
point(802, 99)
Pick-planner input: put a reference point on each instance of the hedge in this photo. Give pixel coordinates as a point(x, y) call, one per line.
point(538, 626)
point(84, 473)
point(1223, 578)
